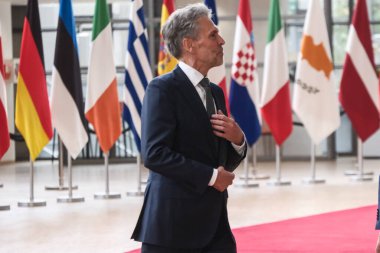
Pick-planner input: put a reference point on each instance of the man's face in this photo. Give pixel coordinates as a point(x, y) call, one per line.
point(207, 47)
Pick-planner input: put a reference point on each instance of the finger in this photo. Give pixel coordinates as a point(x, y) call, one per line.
point(218, 128)
point(219, 134)
point(217, 122)
point(220, 112)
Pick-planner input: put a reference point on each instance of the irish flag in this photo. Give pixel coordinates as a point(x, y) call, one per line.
point(275, 100)
point(4, 132)
point(102, 103)
point(32, 117)
point(166, 62)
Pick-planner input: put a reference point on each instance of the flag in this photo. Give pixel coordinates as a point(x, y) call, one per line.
point(315, 100)
point(217, 74)
point(244, 92)
point(137, 70)
point(32, 116)
point(166, 62)
point(275, 99)
point(102, 103)
point(66, 101)
point(359, 87)
point(4, 132)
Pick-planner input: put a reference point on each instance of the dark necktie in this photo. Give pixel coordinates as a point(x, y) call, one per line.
point(210, 108)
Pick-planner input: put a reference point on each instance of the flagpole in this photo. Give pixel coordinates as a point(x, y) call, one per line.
point(61, 185)
point(278, 181)
point(312, 179)
point(361, 176)
point(356, 172)
point(255, 174)
point(139, 181)
point(70, 198)
point(245, 182)
point(107, 194)
point(31, 202)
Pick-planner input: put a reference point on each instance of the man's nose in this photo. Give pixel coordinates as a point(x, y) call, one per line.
point(221, 40)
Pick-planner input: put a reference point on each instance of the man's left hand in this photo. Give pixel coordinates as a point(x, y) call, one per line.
point(227, 128)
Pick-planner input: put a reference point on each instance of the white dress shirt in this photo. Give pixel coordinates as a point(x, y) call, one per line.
point(195, 78)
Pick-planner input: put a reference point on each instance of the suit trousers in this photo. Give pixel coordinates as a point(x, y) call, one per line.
point(222, 242)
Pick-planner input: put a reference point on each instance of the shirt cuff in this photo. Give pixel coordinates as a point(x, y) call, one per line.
point(240, 149)
point(213, 177)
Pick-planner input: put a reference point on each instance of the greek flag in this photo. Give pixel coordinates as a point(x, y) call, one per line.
point(137, 70)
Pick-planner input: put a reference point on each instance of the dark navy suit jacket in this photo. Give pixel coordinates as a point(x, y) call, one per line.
point(179, 148)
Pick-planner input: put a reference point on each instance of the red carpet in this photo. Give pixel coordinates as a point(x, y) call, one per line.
point(346, 231)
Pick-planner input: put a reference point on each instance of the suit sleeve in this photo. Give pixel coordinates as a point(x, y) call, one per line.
point(158, 139)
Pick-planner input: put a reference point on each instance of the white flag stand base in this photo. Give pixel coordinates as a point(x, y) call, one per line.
point(313, 181)
point(107, 194)
point(139, 192)
point(361, 178)
point(70, 198)
point(278, 181)
point(5, 208)
point(357, 172)
point(31, 202)
point(245, 183)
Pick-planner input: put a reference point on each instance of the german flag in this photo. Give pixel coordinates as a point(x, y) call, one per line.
point(33, 118)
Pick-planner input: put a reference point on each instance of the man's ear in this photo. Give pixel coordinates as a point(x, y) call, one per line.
point(187, 45)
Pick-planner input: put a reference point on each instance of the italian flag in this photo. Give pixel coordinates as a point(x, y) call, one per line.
point(102, 103)
point(275, 100)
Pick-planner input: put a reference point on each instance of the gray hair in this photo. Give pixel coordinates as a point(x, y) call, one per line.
point(183, 23)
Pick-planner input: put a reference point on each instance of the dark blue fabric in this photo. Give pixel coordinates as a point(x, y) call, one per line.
point(178, 146)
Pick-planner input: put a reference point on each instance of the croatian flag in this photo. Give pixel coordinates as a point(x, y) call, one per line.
point(244, 93)
point(137, 70)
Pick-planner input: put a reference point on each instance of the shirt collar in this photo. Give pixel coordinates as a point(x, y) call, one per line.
point(194, 75)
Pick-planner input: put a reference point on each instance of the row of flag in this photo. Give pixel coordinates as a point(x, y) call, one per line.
point(314, 99)
point(35, 117)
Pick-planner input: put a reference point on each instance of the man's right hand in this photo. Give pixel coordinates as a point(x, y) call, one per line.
point(223, 179)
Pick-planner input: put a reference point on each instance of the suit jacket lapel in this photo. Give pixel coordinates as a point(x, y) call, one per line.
point(187, 89)
point(222, 143)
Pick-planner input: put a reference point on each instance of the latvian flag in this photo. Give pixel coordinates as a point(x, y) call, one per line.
point(359, 87)
point(137, 70)
point(32, 116)
point(66, 96)
point(102, 103)
point(275, 100)
point(244, 91)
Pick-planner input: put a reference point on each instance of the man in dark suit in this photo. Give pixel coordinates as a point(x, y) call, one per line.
point(189, 145)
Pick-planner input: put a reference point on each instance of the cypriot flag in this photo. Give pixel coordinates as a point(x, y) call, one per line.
point(315, 100)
